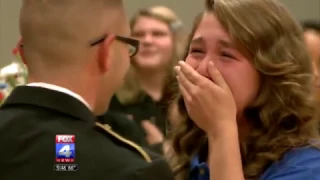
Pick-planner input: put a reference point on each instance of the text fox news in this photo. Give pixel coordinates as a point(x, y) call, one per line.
point(65, 153)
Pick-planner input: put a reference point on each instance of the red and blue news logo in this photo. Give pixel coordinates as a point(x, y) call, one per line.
point(65, 148)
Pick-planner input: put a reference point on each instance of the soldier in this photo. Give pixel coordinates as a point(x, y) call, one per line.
point(77, 53)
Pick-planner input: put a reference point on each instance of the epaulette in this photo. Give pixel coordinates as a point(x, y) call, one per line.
point(133, 145)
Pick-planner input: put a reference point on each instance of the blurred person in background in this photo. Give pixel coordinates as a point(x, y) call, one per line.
point(246, 96)
point(162, 38)
point(312, 39)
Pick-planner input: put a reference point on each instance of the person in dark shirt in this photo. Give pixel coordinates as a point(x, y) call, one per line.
point(141, 98)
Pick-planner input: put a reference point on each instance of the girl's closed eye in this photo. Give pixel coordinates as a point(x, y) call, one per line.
point(196, 50)
point(227, 55)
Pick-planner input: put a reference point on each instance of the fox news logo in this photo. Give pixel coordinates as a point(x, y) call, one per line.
point(65, 148)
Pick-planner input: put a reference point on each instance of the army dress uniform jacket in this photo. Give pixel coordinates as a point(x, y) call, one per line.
point(32, 117)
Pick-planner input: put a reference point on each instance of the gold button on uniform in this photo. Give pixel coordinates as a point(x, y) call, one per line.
point(201, 171)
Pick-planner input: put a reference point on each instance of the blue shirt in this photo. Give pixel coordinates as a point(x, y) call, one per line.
point(298, 164)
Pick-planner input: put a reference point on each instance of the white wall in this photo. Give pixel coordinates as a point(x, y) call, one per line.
point(186, 9)
point(9, 33)
point(304, 9)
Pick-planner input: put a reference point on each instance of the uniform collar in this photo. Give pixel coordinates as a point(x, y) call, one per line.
point(49, 99)
point(60, 89)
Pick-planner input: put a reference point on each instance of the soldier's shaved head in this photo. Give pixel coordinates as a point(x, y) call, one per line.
point(58, 46)
point(57, 32)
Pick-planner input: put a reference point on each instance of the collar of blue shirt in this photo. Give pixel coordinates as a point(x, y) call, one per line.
point(198, 170)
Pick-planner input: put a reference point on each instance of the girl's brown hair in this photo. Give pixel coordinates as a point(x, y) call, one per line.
point(283, 115)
